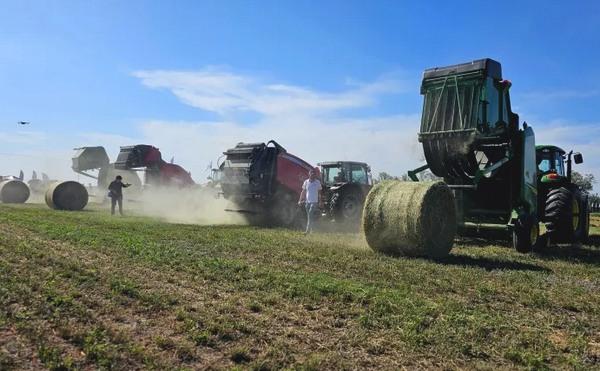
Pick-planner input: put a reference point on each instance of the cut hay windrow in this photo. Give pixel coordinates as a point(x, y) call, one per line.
point(13, 192)
point(410, 218)
point(68, 195)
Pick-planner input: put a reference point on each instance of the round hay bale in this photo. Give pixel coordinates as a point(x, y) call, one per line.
point(13, 191)
point(410, 218)
point(68, 195)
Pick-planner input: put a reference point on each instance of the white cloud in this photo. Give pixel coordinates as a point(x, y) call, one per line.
point(215, 90)
point(312, 124)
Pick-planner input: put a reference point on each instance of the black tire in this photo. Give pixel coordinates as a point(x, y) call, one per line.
point(542, 243)
point(347, 206)
point(525, 233)
point(582, 234)
point(562, 214)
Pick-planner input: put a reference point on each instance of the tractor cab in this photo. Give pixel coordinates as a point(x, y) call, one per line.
point(345, 186)
point(550, 163)
point(336, 173)
point(554, 164)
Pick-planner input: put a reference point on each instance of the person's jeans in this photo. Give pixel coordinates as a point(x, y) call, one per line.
point(113, 202)
point(311, 209)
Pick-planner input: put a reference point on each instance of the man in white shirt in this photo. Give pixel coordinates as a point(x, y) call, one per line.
point(311, 197)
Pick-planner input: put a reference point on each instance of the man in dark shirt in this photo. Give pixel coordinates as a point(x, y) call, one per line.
point(115, 192)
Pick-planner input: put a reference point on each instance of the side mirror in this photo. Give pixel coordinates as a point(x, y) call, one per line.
point(578, 158)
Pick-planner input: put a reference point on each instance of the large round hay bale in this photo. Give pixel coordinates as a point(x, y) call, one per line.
point(13, 191)
point(68, 195)
point(410, 218)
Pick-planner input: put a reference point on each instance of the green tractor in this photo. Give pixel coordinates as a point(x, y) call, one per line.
point(563, 206)
point(489, 164)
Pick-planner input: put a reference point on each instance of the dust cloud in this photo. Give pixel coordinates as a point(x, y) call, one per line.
point(197, 205)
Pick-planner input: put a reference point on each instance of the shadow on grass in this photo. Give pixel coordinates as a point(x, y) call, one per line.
point(594, 241)
point(489, 264)
point(325, 225)
point(484, 241)
point(588, 253)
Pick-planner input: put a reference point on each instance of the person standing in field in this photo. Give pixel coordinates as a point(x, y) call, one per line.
point(311, 197)
point(115, 192)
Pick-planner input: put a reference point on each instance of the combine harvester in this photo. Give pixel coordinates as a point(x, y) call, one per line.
point(494, 176)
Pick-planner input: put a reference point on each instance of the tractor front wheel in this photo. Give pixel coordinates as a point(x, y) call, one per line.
point(525, 233)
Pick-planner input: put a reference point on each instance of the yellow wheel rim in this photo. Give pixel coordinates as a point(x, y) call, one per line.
point(534, 233)
point(575, 215)
point(587, 224)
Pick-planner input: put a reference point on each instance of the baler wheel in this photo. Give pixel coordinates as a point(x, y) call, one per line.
point(526, 233)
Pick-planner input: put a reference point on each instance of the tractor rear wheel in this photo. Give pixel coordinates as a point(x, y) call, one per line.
point(562, 214)
point(346, 206)
point(525, 233)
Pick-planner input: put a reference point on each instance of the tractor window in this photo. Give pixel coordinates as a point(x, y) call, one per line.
point(559, 164)
point(359, 174)
point(331, 174)
point(544, 165)
point(551, 161)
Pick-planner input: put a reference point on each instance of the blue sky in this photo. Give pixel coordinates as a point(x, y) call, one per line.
point(329, 79)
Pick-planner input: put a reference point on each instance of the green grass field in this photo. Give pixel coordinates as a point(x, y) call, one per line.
point(84, 290)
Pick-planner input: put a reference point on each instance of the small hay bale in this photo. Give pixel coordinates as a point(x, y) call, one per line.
point(410, 218)
point(13, 192)
point(68, 195)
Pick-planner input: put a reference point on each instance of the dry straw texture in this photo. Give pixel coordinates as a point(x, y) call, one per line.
point(66, 196)
point(13, 192)
point(410, 218)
